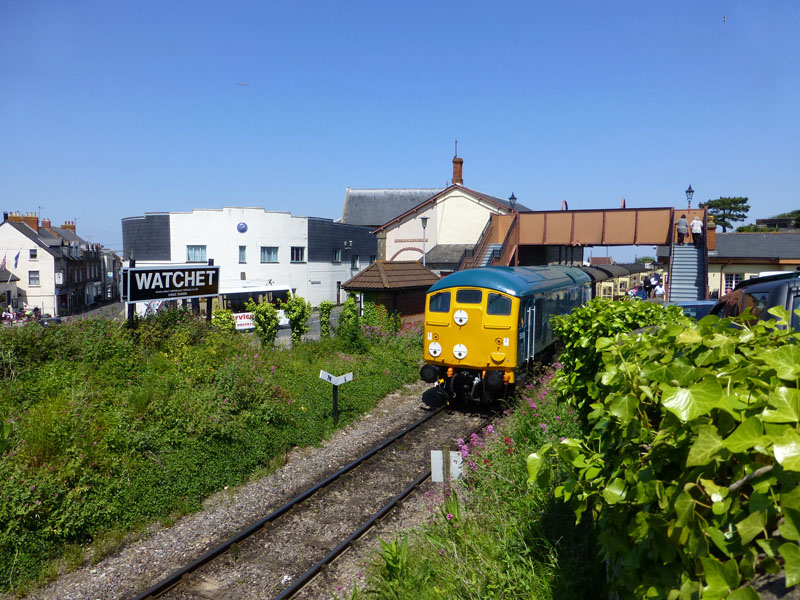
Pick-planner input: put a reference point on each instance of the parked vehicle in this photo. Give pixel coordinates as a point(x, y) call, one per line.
point(696, 309)
point(760, 294)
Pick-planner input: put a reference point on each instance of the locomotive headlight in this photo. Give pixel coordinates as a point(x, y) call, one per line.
point(460, 351)
point(435, 349)
point(460, 317)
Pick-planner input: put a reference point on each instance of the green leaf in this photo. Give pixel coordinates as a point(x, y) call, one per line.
point(689, 336)
point(790, 528)
point(614, 492)
point(745, 436)
point(721, 576)
point(698, 399)
point(786, 403)
point(624, 408)
point(751, 526)
point(787, 450)
point(705, 447)
point(603, 343)
point(745, 593)
point(535, 461)
point(785, 360)
point(684, 507)
point(791, 556)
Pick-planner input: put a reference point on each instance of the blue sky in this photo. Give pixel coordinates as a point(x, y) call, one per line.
point(113, 109)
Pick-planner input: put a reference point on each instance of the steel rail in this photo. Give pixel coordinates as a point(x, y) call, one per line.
point(312, 572)
point(174, 578)
point(331, 556)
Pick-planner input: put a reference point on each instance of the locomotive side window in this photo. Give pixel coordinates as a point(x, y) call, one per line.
point(469, 296)
point(440, 302)
point(498, 305)
point(795, 318)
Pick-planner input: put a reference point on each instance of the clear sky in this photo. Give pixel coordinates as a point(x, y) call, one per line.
point(111, 109)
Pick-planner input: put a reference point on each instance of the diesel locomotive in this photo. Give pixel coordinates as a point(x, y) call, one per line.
point(482, 325)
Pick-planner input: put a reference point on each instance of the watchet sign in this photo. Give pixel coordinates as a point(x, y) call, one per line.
point(140, 284)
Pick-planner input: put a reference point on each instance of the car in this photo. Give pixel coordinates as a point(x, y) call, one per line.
point(760, 294)
point(696, 309)
point(47, 322)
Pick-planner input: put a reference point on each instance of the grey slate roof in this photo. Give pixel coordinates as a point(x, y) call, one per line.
point(376, 207)
point(751, 245)
point(757, 245)
point(446, 254)
point(6, 276)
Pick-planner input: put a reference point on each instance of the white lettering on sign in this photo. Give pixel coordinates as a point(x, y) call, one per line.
point(335, 380)
point(154, 280)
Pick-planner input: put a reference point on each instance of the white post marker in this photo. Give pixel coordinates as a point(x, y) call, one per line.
point(336, 381)
point(442, 472)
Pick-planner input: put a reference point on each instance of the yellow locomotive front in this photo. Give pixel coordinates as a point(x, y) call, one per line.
point(470, 343)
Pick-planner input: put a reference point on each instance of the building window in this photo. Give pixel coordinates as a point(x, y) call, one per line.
point(354, 261)
point(269, 254)
point(33, 254)
point(242, 254)
point(731, 281)
point(337, 255)
point(372, 258)
point(196, 254)
point(33, 277)
point(298, 254)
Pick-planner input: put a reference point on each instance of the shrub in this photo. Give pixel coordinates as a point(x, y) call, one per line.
point(349, 330)
point(266, 320)
point(222, 319)
point(689, 465)
point(325, 309)
point(298, 311)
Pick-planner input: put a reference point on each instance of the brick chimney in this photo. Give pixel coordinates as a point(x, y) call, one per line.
point(32, 221)
point(15, 217)
point(458, 164)
point(69, 225)
point(46, 224)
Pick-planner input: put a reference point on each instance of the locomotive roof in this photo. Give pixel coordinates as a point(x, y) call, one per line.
point(514, 281)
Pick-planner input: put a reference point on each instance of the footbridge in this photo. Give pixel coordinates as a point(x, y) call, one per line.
point(559, 236)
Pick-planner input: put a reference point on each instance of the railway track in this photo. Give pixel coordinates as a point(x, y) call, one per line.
point(278, 555)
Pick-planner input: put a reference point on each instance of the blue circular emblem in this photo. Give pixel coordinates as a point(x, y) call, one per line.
point(242, 227)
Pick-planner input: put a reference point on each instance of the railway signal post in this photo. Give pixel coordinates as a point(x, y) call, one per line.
point(336, 381)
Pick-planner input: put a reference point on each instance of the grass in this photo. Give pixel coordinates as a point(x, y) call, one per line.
point(494, 535)
point(104, 430)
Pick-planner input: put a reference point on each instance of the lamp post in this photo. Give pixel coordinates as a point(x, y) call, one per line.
point(689, 194)
point(424, 225)
point(512, 201)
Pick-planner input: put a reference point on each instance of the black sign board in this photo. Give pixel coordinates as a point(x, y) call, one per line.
point(141, 284)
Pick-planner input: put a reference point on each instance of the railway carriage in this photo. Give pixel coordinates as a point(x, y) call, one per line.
point(482, 325)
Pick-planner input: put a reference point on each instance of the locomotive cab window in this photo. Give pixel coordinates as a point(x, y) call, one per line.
point(469, 296)
point(440, 302)
point(498, 304)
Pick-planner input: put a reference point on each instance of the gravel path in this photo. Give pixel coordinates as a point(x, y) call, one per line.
point(137, 566)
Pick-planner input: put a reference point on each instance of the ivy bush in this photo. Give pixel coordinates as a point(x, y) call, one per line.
point(266, 319)
point(325, 309)
point(298, 311)
point(222, 319)
point(690, 461)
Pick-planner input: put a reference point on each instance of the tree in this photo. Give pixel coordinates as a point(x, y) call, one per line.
point(645, 259)
point(727, 210)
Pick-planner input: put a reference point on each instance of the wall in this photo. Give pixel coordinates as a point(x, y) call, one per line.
point(716, 273)
point(43, 295)
point(455, 218)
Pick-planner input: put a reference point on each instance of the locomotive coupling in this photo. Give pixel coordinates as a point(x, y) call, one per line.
point(493, 380)
point(429, 373)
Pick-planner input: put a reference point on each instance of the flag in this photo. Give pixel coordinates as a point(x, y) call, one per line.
point(3, 264)
point(16, 259)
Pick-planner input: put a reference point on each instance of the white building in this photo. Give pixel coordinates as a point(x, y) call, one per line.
point(253, 246)
point(58, 272)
